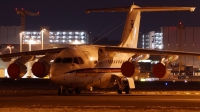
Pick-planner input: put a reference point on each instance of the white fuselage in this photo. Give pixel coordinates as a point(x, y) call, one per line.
point(79, 66)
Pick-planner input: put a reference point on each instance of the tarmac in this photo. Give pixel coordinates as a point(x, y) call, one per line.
point(31, 95)
point(28, 84)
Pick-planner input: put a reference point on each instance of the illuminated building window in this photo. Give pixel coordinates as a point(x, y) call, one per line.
point(71, 37)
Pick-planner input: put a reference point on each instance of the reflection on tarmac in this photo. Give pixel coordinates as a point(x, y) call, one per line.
point(151, 101)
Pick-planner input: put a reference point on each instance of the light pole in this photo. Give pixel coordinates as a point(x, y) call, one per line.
point(10, 48)
point(42, 42)
point(29, 45)
point(20, 41)
point(31, 41)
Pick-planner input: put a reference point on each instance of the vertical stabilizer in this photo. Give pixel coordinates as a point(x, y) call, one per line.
point(131, 28)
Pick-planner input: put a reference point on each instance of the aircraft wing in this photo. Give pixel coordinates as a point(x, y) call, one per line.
point(148, 51)
point(107, 48)
point(37, 52)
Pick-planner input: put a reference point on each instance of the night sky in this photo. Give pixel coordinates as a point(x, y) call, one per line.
point(70, 15)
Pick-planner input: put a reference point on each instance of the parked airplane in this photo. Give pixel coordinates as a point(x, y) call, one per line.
point(88, 66)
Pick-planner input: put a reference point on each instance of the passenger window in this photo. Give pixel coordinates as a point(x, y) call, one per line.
point(58, 60)
point(67, 60)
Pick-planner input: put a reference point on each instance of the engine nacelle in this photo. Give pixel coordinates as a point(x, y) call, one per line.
point(41, 69)
point(16, 70)
point(129, 69)
point(160, 71)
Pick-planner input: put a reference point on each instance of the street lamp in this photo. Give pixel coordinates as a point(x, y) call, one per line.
point(31, 41)
point(10, 48)
point(21, 41)
point(42, 38)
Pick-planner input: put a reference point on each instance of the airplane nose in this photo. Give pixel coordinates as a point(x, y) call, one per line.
point(55, 75)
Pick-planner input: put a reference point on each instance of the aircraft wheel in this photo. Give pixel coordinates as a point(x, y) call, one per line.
point(63, 91)
point(119, 91)
point(70, 90)
point(59, 91)
point(77, 90)
point(127, 89)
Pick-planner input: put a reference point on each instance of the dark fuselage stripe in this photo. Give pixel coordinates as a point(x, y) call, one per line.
point(97, 70)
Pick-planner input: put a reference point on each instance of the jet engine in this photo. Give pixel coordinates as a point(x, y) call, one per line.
point(41, 69)
point(131, 68)
point(16, 70)
point(128, 69)
point(162, 70)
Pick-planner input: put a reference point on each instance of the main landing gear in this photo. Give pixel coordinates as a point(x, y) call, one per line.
point(64, 91)
point(123, 85)
point(126, 89)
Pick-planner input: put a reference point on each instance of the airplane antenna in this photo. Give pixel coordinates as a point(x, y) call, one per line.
point(108, 33)
point(105, 29)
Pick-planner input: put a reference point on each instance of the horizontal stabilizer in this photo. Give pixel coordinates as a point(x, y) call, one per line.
point(152, 9)
point(122, 9)
point(142, 9)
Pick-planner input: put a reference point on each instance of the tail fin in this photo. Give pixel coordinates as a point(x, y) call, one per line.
point(131, 28)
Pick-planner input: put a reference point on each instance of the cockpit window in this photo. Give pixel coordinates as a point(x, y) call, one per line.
point(80, 60)
point(67, 60)
point(58, 60)
point(77, 60)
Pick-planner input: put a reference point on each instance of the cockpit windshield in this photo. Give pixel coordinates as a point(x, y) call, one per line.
point(67, 60)
point(77, 60)
point(58, 60)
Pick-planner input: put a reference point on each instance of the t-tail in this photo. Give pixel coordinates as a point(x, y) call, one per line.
point(131, 28)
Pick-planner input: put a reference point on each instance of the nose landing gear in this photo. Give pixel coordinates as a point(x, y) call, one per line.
point(77, 90)
point(64, 91)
